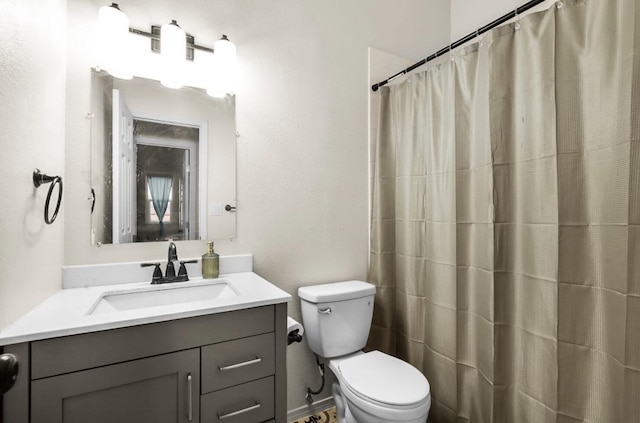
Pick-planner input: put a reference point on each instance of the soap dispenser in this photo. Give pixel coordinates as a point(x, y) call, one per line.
point(210, 263)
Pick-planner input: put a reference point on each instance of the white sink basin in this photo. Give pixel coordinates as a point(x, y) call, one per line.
point(162, 295)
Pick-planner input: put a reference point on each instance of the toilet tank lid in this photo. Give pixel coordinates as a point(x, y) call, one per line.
point(336, 291)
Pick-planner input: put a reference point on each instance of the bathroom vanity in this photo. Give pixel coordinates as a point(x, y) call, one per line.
point(222, 360)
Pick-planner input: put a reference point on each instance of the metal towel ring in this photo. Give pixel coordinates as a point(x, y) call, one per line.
point(40, 178)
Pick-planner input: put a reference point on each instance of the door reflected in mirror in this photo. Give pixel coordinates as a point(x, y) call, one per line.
point(153, 150)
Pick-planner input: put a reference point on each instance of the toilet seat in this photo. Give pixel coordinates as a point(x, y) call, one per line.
point(386, 386)
point(384, 379)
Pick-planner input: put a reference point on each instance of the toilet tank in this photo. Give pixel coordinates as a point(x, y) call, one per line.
point(337, 316)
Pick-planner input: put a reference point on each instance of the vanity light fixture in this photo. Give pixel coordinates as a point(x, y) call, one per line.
point(175, 48)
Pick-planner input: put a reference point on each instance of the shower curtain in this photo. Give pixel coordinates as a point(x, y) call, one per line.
point(505, 238)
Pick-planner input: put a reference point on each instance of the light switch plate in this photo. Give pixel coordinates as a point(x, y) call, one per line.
point(215, 209)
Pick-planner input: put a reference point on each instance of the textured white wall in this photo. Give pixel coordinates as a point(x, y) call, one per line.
point(32, 52)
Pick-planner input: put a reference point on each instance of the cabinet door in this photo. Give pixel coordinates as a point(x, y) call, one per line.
point(161, 389)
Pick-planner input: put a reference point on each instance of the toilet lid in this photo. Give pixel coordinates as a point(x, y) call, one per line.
point(385, 379)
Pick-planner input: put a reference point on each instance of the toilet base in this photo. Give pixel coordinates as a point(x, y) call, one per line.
point(349, 417)
point(344, 413)
point(341, 406)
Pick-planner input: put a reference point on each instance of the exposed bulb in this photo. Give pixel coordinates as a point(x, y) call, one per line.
point(113, 46)
point(173, 49)
point(224, 68)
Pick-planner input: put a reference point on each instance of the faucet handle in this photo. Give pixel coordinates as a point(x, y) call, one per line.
point(157, 272)
point(183, 269)
point(171, 270)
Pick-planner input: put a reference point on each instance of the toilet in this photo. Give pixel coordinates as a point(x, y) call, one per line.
point(371, 387)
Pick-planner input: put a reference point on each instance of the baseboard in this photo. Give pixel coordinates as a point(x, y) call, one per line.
point(308, 410)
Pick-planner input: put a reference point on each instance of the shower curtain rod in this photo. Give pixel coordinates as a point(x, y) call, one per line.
point(462, 40)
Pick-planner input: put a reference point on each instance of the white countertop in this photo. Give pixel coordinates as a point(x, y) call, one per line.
point(66, 312)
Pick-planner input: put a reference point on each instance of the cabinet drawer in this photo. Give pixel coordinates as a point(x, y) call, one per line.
point(251, 402)
point(239, 361)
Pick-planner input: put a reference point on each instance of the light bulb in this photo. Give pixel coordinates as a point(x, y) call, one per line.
point(224, 68)
point(173, 49)
point(114, 50)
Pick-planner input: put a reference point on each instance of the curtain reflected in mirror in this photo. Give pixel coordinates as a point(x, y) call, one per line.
point(159, 190)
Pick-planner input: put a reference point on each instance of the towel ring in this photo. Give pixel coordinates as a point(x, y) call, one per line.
point(40, 178)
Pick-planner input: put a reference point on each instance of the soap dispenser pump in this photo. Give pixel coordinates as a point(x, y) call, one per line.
point(210, 263)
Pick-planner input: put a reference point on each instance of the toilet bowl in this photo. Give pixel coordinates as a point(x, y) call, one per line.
point(372, 387)
point(379, 388)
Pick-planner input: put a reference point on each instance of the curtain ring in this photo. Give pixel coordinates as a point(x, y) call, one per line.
point(517, 22)
point(480, 41)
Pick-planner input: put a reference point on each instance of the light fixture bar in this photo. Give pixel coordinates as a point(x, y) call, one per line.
point(154, 35)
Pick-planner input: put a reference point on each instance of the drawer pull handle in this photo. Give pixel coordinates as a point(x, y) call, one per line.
point(236, 366)
point(237, 413)
point(190, 393)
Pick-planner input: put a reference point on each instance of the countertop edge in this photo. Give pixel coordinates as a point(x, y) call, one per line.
point(69, 307)
point(59, 333)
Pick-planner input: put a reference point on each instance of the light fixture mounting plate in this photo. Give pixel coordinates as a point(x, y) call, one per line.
point(155, 42)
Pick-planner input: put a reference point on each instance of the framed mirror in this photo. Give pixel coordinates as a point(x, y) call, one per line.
point(162, 162)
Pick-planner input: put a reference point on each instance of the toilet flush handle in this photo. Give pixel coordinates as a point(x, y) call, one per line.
point(324, 310)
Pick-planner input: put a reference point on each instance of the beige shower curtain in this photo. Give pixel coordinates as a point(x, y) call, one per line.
point(506, 221)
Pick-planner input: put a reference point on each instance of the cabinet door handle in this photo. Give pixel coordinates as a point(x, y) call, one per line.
point(237, 413)
point(190, 394)
point(236, 366)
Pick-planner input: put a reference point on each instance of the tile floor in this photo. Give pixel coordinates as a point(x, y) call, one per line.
point(327, 416)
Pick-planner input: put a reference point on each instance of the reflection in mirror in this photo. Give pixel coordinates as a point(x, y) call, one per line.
point(166, 181)
point(151, 157)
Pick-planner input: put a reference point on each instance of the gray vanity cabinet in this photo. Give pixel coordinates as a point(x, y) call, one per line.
point(161, 389)
point(228, 367)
